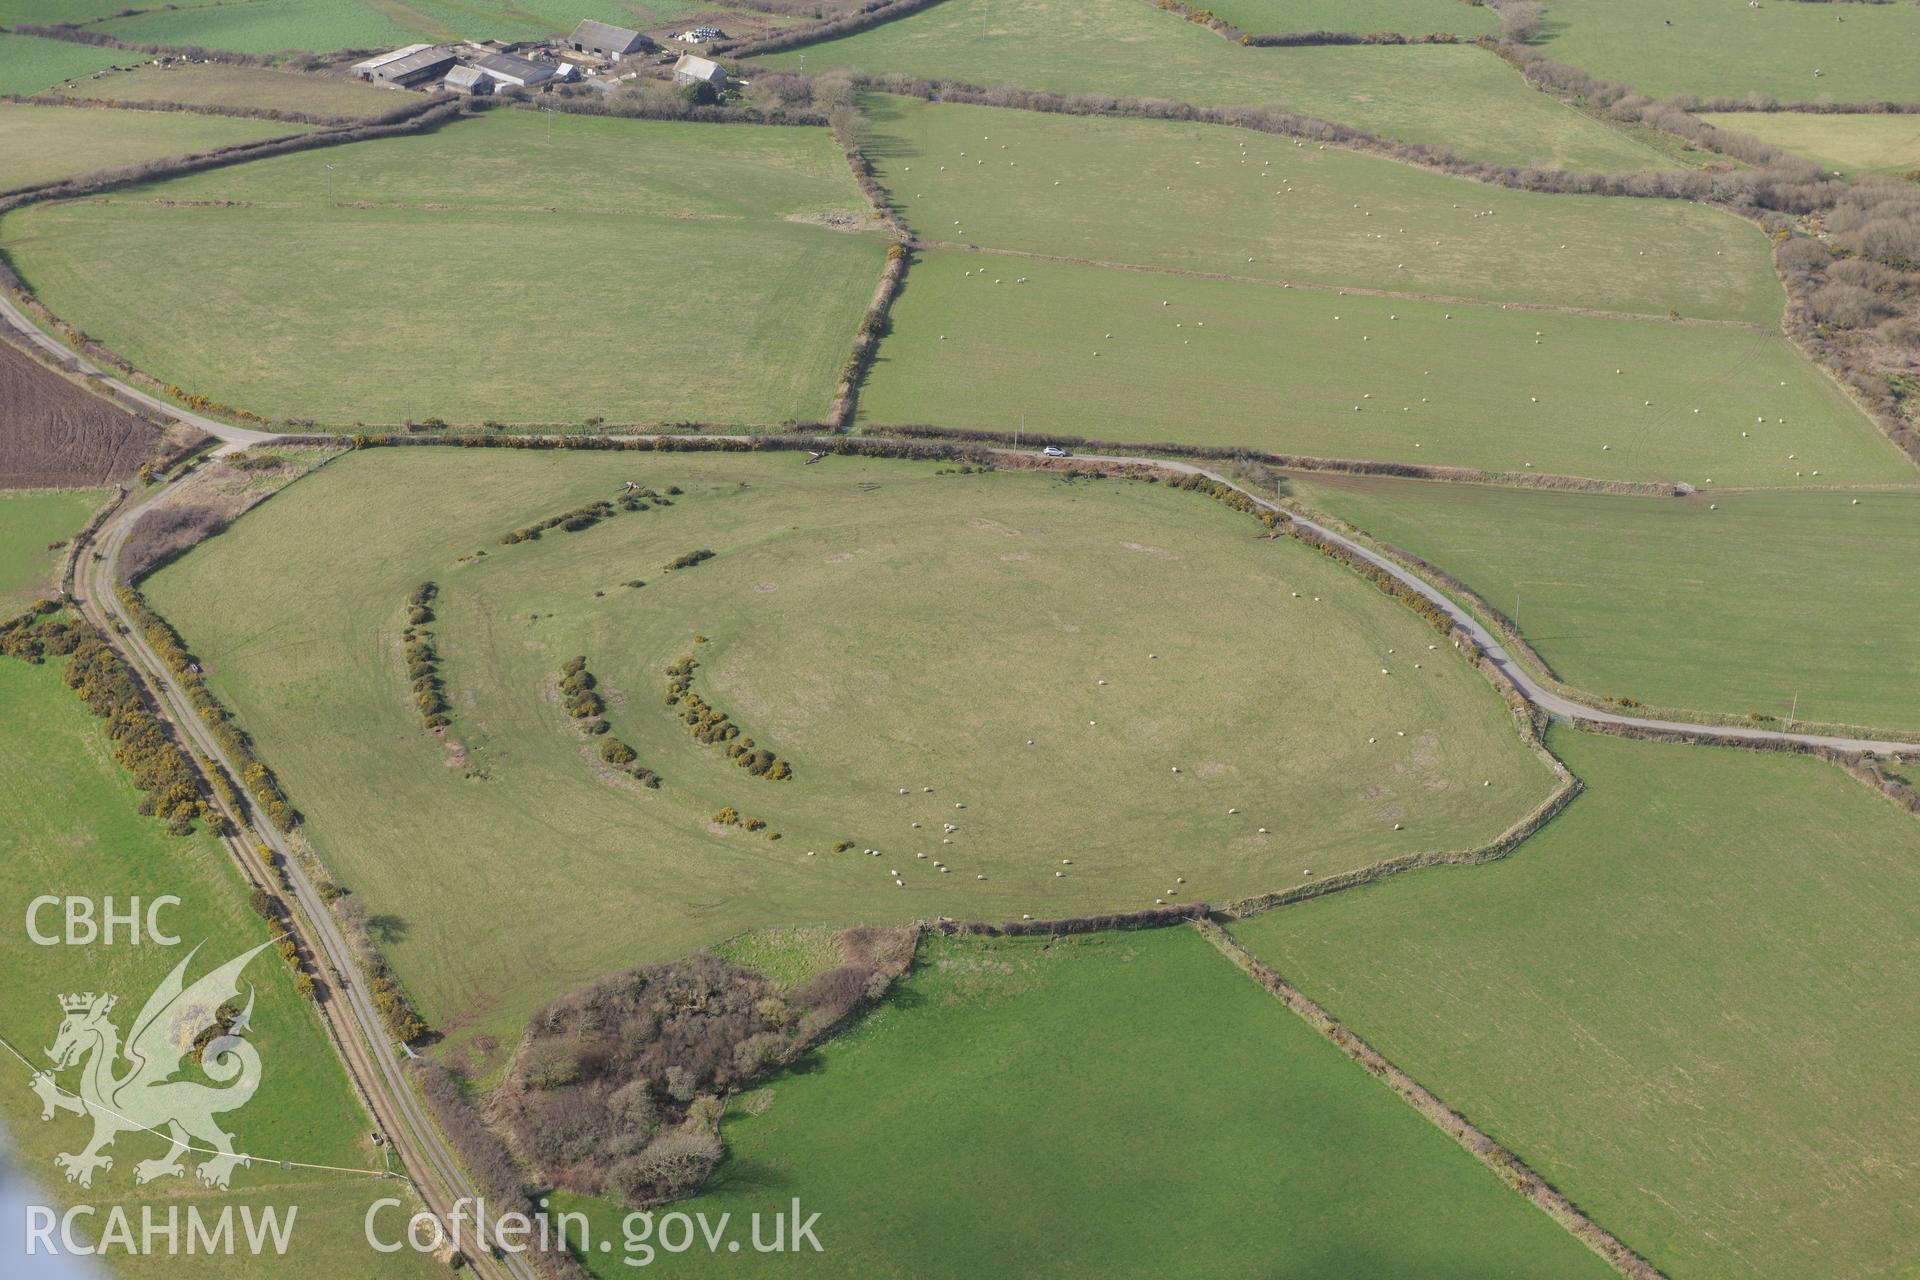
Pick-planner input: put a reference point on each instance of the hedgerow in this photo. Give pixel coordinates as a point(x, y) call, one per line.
point(583, 704)
point(173, 653)
point(688, 560)
point(709, 724)
point(423, 660)
point(162, 772)
point(567, 521)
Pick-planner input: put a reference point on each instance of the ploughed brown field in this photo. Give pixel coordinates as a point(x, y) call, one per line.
point(54, 434)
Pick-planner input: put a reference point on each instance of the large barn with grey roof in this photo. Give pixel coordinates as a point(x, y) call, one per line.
point(606, 40)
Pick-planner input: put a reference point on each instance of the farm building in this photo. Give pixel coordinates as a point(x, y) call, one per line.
point(692, 69)
point(509, 68)
point(469, 80)
point(413, 65)
point(608, 41)
point(365, 70)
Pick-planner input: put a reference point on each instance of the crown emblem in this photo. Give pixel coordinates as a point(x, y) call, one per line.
point(81, 1002)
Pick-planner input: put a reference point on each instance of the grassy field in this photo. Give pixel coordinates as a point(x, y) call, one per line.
point(788, 954)
point(1671, 1003)
point(50, 11)
point(1736, 610)
point(1845, 144)
point(219, 84)
point(275, 26)
point(689, 262)
point(1407, 17)
point(1728, 48)
point(881, 626)
point(68, 826)
point(1090, 1099)
point(30, 520)
point(1209, 198)
point(270, 26)
point(1215, 362)
point(29, 64)
point(40, 144)
point(1458, 96)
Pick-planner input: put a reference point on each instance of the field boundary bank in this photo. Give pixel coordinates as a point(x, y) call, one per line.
point(1566, 788)
point(1549, 308)
point(1517, 644)
point(848, 127)
point(185, 109)
point(1501, 1161)
point(1664, 184)
point(1727, 106)
point(1203, 17)
point(1005, 440)
point(872, 14)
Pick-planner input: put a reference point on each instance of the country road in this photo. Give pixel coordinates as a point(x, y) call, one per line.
point(232, 435)
point(1553, 703)
point(366, 1047)
point(364, 1043)
point(1535, 692)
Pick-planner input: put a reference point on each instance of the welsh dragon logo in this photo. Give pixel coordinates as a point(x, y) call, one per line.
point(176, 1023)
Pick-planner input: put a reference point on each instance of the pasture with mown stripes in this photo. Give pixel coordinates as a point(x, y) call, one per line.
point(1110, 688)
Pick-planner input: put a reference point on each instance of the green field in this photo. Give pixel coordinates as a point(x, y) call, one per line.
point(68, 826)
point(1457, 96)
point(1733, 611)
point(1729, 48)
point(41, 144)
point(1684, 1003)
point(1845, 144)
point(271, 26)
point(879, 625)
point(275, 26)
point(30, 520)
point(1208, 198)
point(223, 85)
point(634, 270)
point(52, 11)
point(29, 64)
point(1406, 17)
point(1128, 1098)
point(1195, 361)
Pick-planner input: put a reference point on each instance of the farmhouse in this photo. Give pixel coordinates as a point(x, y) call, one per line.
point(609, 42)
point(406, 67)
point(507, 68)
point(692, 69)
